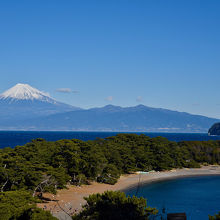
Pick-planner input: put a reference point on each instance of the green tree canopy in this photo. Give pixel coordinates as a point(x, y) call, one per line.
point(114, 205)
point(20, 205)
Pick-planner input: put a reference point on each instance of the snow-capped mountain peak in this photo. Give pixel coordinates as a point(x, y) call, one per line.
point(25, 92)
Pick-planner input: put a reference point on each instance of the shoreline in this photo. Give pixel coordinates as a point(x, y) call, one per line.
point(71, 200)
point(172, 177)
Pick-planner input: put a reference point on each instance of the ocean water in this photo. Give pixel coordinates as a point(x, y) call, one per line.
point(198, 197)
point(14, 138)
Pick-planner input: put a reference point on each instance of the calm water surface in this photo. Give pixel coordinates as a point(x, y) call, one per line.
point(197, 196)
point(14, 138)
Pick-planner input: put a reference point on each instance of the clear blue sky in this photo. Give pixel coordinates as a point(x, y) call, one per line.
point(157, 53)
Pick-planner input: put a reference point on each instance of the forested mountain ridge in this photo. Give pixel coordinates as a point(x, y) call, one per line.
point(115, 118)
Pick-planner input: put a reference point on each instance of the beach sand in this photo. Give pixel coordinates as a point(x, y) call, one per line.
point(71, 200)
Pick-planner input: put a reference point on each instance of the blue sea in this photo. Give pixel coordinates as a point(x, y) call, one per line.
point(197, 196)
point(14, 138)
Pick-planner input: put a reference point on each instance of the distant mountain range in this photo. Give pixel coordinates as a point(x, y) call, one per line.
point(26, 108)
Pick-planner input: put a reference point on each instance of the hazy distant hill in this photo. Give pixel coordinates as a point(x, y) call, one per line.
point(25, 108)
point(115, 118)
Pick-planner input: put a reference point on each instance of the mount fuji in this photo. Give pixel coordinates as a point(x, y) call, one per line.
point(23, 102)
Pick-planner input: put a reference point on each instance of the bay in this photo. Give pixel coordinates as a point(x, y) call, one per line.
point(197, 196)
point(14, 138)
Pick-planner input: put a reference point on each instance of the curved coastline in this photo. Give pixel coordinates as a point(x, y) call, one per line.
point(72, 198)
point(161, 179)
point(149, 178)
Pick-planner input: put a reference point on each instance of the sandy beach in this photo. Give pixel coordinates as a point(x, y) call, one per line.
point(71, 200)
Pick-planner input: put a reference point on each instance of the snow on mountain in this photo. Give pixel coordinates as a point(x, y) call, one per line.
point(25, 92)
point(23, 102)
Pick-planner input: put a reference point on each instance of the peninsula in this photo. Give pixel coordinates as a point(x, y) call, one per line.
point(215, 129)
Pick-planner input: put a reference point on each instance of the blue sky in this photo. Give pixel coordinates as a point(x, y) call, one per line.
point(157, 53)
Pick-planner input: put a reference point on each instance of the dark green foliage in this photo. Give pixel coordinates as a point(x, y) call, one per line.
point(109, 175)
point(42, 166)
point(20, 205)
point(215, 217)
point(114, 205)
point(36, 214)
